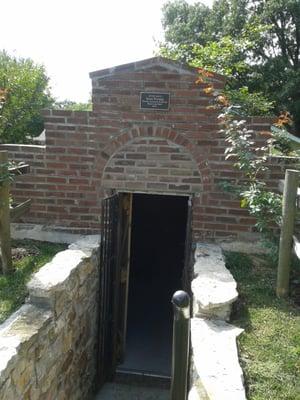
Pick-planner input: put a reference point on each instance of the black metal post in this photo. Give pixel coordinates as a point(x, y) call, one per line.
point(181, 344)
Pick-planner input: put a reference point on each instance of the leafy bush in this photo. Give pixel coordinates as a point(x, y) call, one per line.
point(24, 93)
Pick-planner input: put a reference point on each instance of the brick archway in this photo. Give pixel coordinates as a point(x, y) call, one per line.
point(153, 158)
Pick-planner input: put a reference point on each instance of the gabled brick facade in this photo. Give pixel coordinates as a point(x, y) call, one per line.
point(119, 146)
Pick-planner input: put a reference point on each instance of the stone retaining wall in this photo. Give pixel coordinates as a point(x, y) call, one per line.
point(215, 370)
point(48, 347)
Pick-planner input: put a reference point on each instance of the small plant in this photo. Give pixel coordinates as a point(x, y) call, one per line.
point(250, 159)
point(264, 205)
point(5, 174)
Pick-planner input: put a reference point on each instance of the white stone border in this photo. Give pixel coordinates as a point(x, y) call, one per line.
point(215, 370)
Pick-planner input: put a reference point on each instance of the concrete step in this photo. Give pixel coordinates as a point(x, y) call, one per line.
point(118, 391)
point(137, 378)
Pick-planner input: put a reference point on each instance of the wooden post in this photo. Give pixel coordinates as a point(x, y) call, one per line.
point(5, 239)
point(287, 229)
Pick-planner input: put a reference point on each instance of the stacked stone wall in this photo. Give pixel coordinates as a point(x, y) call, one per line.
point(48, 348)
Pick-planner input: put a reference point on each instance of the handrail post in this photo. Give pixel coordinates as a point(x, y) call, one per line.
point(287, 229)
point(181, 344)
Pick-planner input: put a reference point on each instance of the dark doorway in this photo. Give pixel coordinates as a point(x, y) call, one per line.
point(158, 232)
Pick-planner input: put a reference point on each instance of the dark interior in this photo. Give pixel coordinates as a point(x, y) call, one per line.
point(157, 260)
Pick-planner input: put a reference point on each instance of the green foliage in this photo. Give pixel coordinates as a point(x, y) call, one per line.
point(281, 142)
point(13, 289)
point(5, 175)
point(230, 187)
point(225, 56)
point(269, 348)
point(228, 56)
point(227, 18)
point(196, 23)
point(248, 158)
point(264, 205)
point(251, 103)
point(24, 88)
point(256, 43)
point(184, 23)
point(261, 203)
point(72, 105)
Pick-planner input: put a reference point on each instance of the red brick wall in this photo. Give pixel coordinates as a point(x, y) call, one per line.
point(152, 163)
point(60, 184)
point(119, 146)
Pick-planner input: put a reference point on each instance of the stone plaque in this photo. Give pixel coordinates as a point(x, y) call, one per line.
point(155, 101)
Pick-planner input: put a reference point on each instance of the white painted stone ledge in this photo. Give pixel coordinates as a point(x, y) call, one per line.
point(215, 370)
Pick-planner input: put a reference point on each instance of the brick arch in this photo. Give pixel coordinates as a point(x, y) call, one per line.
point(153, 159)
point(151, 131)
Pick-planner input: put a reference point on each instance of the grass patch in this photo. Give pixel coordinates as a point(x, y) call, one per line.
point(28, 257)
point(270, 345)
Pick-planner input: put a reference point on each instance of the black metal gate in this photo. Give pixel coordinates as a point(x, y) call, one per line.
point(113, 288)
point(114, 280)
point(108, 262)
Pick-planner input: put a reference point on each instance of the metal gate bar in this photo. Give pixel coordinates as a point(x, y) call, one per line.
point(108, 259)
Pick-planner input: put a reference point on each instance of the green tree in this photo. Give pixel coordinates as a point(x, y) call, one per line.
point(255, 42)
point(25, 91)
point(196, 23)
point(72, 105)
point(185, 23)
point(228, 18)
point(277, 67)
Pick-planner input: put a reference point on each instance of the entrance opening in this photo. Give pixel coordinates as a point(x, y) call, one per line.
point(156, 267)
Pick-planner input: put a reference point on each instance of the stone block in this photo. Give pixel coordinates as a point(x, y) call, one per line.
point(216, 373)
point(54, 276)
point(17, 336)
point(214, 289)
